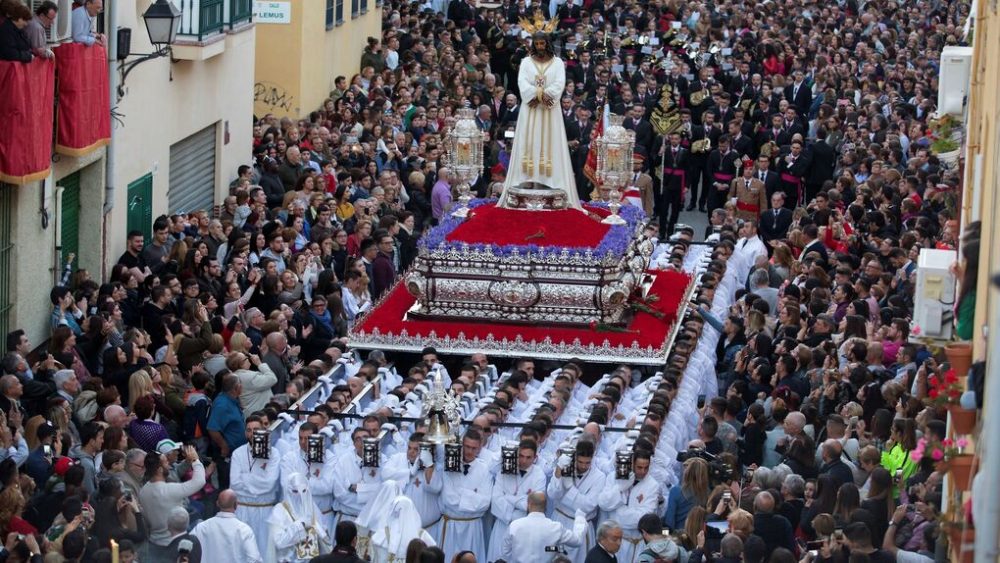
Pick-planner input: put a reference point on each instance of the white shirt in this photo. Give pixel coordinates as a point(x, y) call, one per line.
point(527, 537)
point(319, 475)
point(367, 481)
point(571, 493)
point(253, 480)
point(467, 495)
point(422, 492)
point(224, 538)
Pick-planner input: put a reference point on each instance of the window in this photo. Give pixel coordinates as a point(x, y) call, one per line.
point(330, 13)
point(355, 8)
point(364, 6)
point(340, 11)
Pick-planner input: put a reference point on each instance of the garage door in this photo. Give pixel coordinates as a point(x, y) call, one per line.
point(192, 172)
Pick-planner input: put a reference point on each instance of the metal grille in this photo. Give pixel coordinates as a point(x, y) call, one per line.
point(69, 220)
point(239, 11)
point(6, 255)
point(192, 172)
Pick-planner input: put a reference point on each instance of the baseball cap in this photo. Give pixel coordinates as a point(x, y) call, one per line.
point(166, 446)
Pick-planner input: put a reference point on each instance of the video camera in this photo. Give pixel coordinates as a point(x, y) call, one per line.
point(718, 471)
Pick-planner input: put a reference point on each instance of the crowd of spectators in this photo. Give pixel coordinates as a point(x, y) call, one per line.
point(238, 310)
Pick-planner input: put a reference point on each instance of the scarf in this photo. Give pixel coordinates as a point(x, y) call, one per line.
point(325, 319)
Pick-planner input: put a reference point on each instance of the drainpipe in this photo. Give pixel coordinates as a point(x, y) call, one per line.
point(109, 153)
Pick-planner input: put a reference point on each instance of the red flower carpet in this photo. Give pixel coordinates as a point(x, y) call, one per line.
point(387, 327)
point(501, 226)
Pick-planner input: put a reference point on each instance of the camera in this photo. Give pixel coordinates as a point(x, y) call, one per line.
point(718, 471)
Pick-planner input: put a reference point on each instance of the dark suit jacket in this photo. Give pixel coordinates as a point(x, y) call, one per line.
point(672, 181)
point(817, 246)
point(802, 101)
point(598, 555)
point(771, 227)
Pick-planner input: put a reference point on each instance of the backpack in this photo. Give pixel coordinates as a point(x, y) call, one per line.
point(654, 557)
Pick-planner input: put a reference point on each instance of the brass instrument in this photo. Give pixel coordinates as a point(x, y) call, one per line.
point(697, 98)
point(769, 149)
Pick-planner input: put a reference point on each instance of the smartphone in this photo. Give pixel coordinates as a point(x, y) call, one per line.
point(47, 450)
point(899, 474)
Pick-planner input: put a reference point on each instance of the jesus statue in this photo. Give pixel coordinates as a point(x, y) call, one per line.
point(540, 152)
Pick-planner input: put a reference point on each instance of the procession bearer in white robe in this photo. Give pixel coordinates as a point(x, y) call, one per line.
point(528, 536)
point(626, 500)
point(319, 476)
point(510, 494)
point(402, 525)
point(354, 485)
point(255, 482)
point(465, 498)
point(577, 491)
point(297, 530)
point(224, 537)
point(421, 480)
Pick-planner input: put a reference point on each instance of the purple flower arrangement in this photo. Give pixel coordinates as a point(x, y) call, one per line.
point(614, 243)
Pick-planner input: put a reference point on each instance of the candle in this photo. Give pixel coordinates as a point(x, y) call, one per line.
point(114, 551)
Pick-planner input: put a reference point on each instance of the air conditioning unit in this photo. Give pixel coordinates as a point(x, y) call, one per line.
point(934, 299)
point(953, 84)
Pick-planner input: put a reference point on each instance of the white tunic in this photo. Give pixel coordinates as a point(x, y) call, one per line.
point(424, 494)
point(224, 538)
point(626, 507)
point(320, 477)
point(348, 471)
point(571, 493)
point(255, 482)
point(540, 135)
point(529, 536)
point(288, 533)
point(465, 498)
point(510, 502)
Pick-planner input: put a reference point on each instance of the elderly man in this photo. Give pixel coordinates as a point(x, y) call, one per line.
point(609, 543)
point(441, 194)
point(178, 522)
point(833, 465)
point(132, 476)
point(773, 528)
point(82, 23)
point(529, 538)
point(256, 382)
point(224, 537)
point(67, 385)
point(37, 28)
point(276, 357)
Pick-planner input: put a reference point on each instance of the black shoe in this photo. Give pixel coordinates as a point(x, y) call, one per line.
point(690, 207)
point(702, 209)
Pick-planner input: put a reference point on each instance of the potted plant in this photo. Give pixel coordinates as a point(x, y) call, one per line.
point(959, 356)
point(946, 134)
point(944, 392)
point(948, 458)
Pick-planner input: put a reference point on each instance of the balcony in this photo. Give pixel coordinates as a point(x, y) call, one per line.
point(204, 24)
point(28, 103)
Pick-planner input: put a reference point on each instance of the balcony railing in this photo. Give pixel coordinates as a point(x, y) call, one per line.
point(202, 18)
point(239, 12)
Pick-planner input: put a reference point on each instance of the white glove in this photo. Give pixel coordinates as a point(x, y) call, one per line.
point(287, 418)
point(412, 397)
point(470, 396)
point(564, 461)
point(426, 458)
point(390, 427)
point(421, 388)
point(414, 469)
point(325, 379)
point(336, 424)
point(328, 432)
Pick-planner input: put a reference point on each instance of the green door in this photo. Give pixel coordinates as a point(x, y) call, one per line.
point(140, 206)
point(69, 218)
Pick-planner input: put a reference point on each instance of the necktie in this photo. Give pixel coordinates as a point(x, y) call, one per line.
point(522, 472)
point(748, 184)
point(465, 468)
point(761, 176)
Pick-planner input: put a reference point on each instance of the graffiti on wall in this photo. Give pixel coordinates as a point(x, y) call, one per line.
point(273, 96)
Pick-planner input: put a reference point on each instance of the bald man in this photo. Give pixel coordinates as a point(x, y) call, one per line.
point(276, 358)
point(116, 416)
point(833, 465)
point(223, 537)
point(528, 537)
point(773, 528)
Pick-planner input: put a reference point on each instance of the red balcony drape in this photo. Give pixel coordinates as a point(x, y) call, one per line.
point(27, 92)
point(84, 118)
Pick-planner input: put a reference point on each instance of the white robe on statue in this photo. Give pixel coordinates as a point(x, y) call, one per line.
point(255, 482)
point(540, 152)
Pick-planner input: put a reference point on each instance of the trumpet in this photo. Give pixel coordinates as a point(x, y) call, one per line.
point(701, 145)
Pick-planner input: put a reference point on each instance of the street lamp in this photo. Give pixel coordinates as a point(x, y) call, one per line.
point(163, 21)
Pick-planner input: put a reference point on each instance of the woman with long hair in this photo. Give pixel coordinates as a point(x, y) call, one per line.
point(693, 491)
point(896, 457)
point(879, 502)
point(63, 348)
point(848, 500)
point(824, 501)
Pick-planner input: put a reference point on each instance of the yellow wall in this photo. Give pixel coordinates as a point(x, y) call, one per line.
point(983, 154)
point(297, 62)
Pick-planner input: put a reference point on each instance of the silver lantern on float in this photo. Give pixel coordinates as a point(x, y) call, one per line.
point(614, 164)
point(464, 148)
